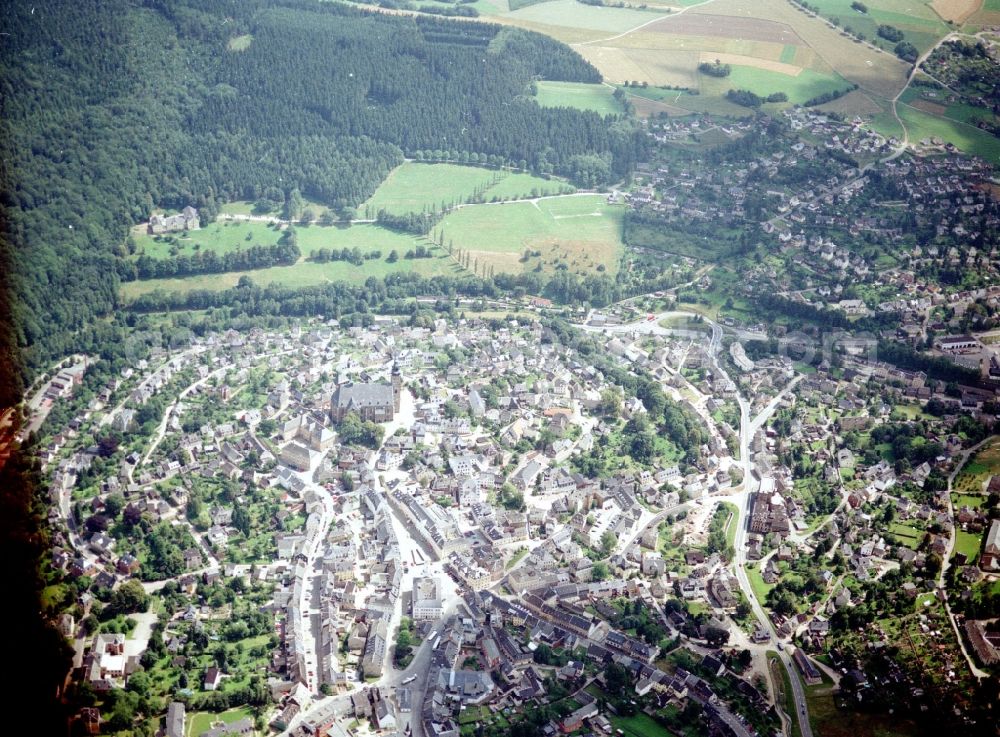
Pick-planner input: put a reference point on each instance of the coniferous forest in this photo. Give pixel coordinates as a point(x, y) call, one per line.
point(112, 110)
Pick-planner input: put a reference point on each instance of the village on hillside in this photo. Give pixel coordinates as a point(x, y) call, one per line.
point(430, 528)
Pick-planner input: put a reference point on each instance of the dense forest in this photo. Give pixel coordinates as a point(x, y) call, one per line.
point(202, 101)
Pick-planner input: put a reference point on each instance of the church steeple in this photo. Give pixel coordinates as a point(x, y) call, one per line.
point(397, 385)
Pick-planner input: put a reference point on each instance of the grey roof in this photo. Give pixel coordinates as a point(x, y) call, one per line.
point(350, 396)
point(175, 719)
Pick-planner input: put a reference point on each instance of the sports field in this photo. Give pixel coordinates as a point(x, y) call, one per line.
point(596, 97)
point(415, 187)
point(579, 232)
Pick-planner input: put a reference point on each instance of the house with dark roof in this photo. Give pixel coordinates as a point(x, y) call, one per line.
point(371, 402)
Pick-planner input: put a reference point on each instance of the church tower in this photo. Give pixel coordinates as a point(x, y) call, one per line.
point(397, 385)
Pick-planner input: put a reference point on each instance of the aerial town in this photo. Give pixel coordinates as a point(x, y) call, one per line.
point(501, 368)
point(468, 526)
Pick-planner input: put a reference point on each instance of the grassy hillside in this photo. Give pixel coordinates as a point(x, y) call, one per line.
point(415, 187)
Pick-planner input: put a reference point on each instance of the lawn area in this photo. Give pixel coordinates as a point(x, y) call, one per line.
point(518, 557)
point(911, 412)
point(694, 608)
point(639, 725)
point(968, 543)
point(52, 595)
point(682, 322)
point(799, 88)
point(973, 501)
point(906, 534)
point(239, 43)
point(924, 601)
point(757, 583)
point(415, 187)
point(732, 524)
point(220, 237)
point(578, 95)
point(582, 232)
point(202, 721)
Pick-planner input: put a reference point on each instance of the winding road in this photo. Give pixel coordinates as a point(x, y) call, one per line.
point(749, 426)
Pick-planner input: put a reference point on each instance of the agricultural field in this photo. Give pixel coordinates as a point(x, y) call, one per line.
point(957, 11)
point(582, 232)
point(916, 19)
point(415, 187)
point(562, 17)
point(924, 126)
point(772, 45)
point(878, 72)
point(596, 97)
point(800, 86)
point(986, 14)
point(935, 102)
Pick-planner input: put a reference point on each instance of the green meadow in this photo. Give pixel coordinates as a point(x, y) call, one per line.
point(416, 187)
point(596, 97)
point(581, 233)
point(799, 88)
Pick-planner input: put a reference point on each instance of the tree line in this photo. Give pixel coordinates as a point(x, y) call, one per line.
point(209, 262)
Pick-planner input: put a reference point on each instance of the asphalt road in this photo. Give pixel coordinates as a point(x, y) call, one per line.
point(749, 426)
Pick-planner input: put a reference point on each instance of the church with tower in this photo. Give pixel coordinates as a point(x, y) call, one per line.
point(371, 402)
